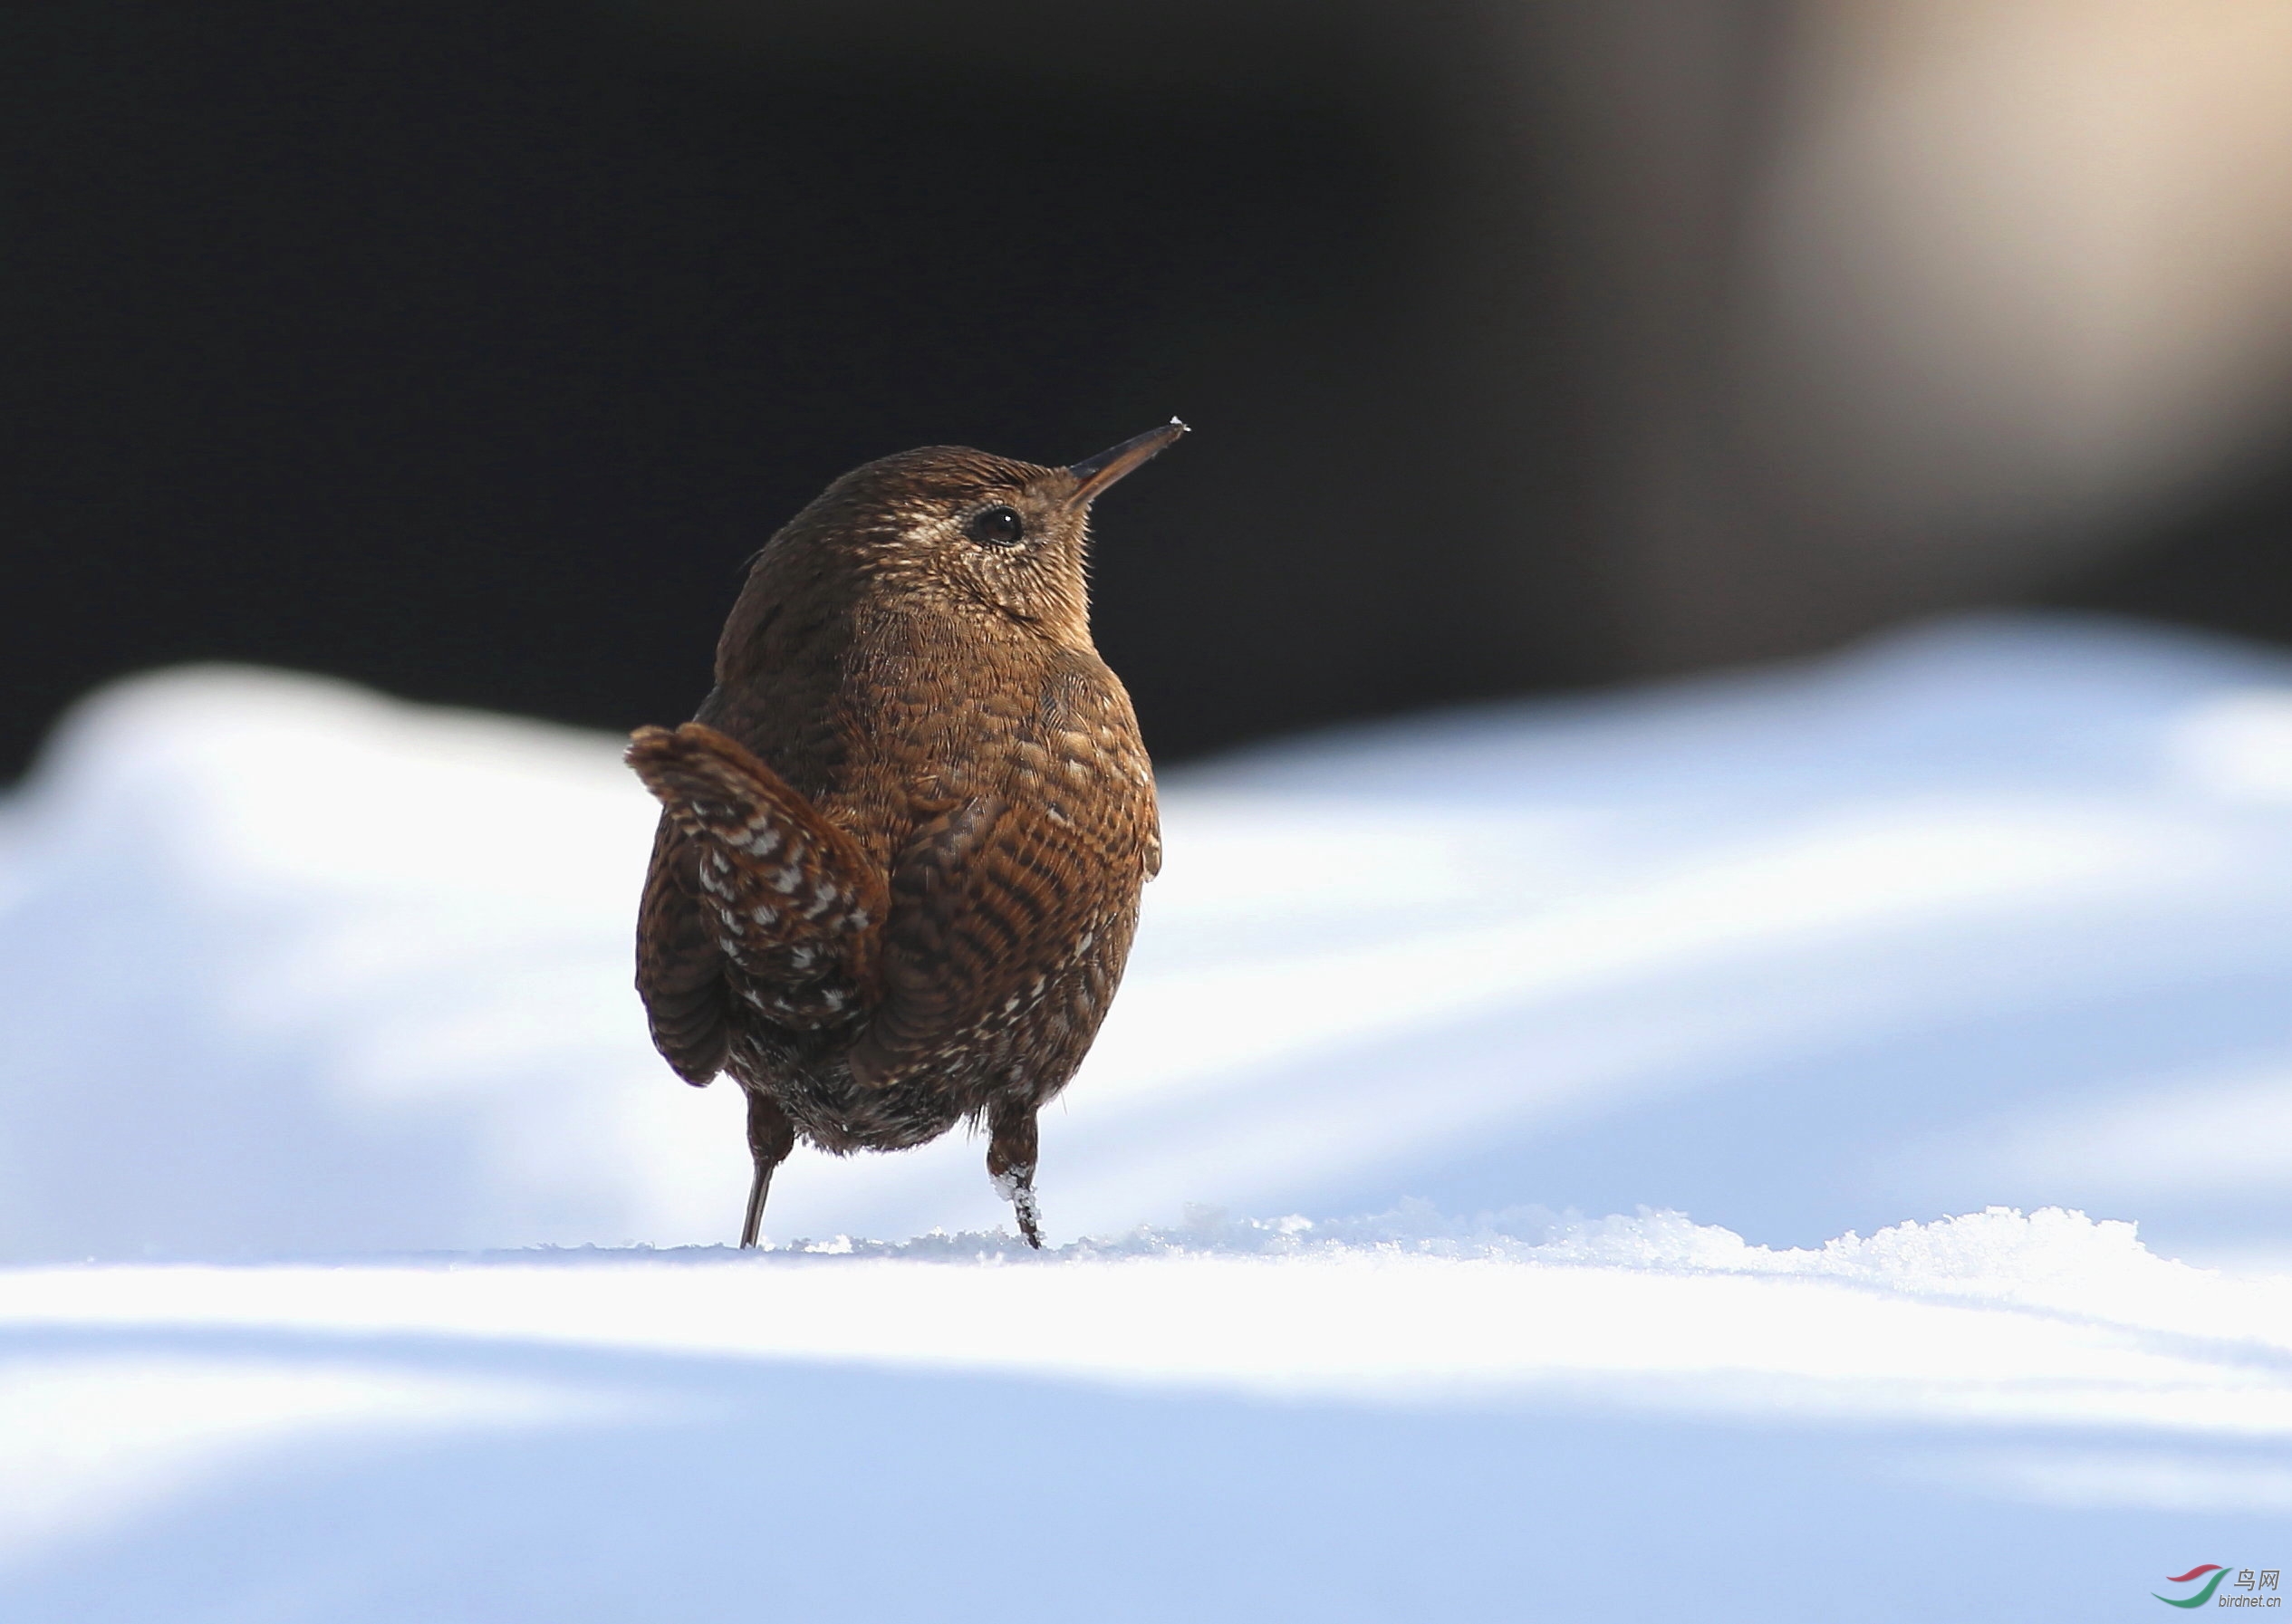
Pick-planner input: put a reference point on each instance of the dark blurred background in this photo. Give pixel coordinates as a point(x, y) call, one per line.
point(466, 350)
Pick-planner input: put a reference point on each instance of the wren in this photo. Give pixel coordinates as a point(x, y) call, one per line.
point(902, 841)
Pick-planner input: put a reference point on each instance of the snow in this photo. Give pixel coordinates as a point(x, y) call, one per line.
point(363, 1264)
point(1596, 1309)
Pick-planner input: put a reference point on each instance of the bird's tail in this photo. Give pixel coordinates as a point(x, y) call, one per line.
point(796, 903)
point(713, 789)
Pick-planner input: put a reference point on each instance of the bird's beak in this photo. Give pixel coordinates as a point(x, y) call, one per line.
point(1093, 475)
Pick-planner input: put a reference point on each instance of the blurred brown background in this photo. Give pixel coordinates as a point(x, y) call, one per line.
point(466, 350)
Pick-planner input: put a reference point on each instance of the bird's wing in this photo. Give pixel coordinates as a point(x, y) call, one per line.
point(940, 951)
point(680, 965)
point(991, 904)
point(746, 870)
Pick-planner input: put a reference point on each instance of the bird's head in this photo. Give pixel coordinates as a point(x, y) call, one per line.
point(951, 531)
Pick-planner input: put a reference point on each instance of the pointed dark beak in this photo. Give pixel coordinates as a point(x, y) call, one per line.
point(1093, 475)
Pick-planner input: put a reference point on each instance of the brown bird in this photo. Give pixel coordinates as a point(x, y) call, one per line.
point(902, 841)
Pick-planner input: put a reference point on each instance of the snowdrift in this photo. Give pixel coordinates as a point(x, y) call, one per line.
point(315, 1022)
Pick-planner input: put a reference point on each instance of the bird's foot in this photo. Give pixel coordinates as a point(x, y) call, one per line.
point(771, 1136)
point(1016, 1188)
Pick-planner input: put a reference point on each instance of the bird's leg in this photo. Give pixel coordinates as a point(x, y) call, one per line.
point(1010, 1163)
point(771, 1136)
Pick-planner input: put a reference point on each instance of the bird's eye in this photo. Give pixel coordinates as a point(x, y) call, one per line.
point(997, 527)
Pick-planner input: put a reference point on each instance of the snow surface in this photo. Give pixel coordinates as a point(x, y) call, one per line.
point(314, 1010)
